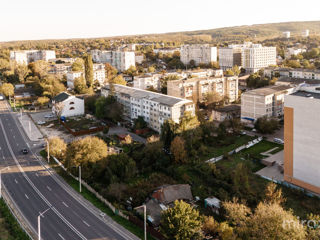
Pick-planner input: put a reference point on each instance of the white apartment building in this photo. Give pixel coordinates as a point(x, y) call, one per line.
point(197, 89)
point(200, 53)
point(286, 34)
point(302, 137)
point(260, 102)
point(71, 76)
point(294, 73)
point(256, 56)
point(61, 68)
point(139, 58)
point(146, 81)
point(28, 56)
point(98, 75)
point(121, 60)
point(293, 51)
point(166, 50)
point(305, 33)
point(155, 108)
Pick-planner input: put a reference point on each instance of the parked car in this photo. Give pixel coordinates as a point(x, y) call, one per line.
point(278, 140)
point(243, 132)
point(1, 97)
point(25, 151)
point(41, 122)
point(254, 130)
point(50, 115)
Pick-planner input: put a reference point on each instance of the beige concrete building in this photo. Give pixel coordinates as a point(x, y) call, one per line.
point(28, 56)
point(302, 138)
point(197, 89)
point(146, 81)
point(155, 108)
point(260, 102)
point(294, 73)
point(230, 56)
point(200, 53)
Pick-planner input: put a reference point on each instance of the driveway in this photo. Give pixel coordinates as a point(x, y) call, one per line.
point(122, 130)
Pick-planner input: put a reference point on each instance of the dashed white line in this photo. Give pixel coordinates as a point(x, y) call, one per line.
point(37, 175)
point(85, 223)
point(16, 181)
point(49, 188)
point(65, 204)
point(61, 236)
point(26, 196)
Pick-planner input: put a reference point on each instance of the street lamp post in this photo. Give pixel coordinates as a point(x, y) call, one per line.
point(145, 219)
point(80, 178)
point(39, 218)
point(48, 150)
point(1, 180)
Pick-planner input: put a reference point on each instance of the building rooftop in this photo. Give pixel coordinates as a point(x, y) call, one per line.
point(293, 69)
point(157, 97)
point(169, 193)
point(268, 90)
point(229, 108)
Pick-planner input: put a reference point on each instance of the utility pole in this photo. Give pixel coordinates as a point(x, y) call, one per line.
point(145, 221)
point(48, 150)
point(39, 219)
point(80, 178)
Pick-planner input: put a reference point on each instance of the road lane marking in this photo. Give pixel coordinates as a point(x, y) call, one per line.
point(37, 175)
point(26, 196)
point(65, 204)
point(16, 181)
point(49, 188)
point(61, 236)
point(85, 223)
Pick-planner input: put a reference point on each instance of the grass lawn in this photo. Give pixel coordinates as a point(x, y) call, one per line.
point(9, 227)
point(215, 151)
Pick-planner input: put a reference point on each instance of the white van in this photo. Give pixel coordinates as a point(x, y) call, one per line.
point(278, 140)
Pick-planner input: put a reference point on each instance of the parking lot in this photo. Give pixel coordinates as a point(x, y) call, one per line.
point(41, 116)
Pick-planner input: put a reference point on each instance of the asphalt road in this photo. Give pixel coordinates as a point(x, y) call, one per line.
point(34, 189)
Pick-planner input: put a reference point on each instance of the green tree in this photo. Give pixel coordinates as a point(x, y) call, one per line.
point(39, 68)
point(22, 71)
point(265, 125)
point(42, 100)
point(151, 69)
point(236, 70)
point(86, 152)
point(57, 147)
point(51, 86)
point(140, 123)
point(178, 150)
point(111, 71)
point(100, 106)
point(80, 85)
point(230, 72)
point(168, 133)
point(182, 222)
point(7, 89)
point(88, 70)
point(188, 121)
point(119, 80)
point(77, 65)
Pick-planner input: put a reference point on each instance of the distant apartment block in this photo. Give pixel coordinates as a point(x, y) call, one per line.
point(252, 57)
point(200, 53)
point(302, 138)
point(166, 50)
point(197, 89)
point(260, 102)
point(139, 58)
point(294, 73)
point(61, 68)
point(286, 34)
point(293, 52)
point(255, 57)
point(147, 81)
point(230, 56)
point(28, 56)
point(305, 33)
point(121, 60)
point(155, 108)
point(99, 75)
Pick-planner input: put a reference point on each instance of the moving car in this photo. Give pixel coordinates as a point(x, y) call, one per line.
point(25, 151)
point(41, 122)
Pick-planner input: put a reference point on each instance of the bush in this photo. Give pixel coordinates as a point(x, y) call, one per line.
point(266, 126)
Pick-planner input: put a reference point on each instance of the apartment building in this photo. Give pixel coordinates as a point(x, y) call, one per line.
point(146, 81)
point(61, 68)
point(28, 56)
point(197, 89)
point(155, 108)
point(305, 33)
point(255, 57)
point(200, 53)
point(252, 57)
point(266, 101)
point(302, 137)
point(230, 56)
point(293, 52)
point(71, 76)
point(98, 75)
point(166, 50)
point(286, 34)
point(294, 73)
point(121, 60)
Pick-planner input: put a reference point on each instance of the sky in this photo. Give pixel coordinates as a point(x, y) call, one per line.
point(55, 19)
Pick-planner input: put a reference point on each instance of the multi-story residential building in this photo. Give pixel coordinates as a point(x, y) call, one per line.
point(146, 81)
point(260, 102)
point(302, 138)
point(199, 53)
point(71, 76)
point(197, 89)
point(293, 52)
point(256, 56)
point(230, 56)
point(139, 58)
point(305, 33)
point(155, 108)
point(61, 68)
point(251, 57)
point(166, 50)
point(294, 73)
point(286, 34)
point(27, 56)
point(98, 75)
point(121, 60)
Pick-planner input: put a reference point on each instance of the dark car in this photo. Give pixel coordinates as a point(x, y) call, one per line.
point(25, 151)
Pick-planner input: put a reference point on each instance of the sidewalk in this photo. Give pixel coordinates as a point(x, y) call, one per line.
point(29, 128)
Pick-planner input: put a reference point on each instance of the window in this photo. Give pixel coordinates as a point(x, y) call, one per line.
point(71, 103)
point(72, 108)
